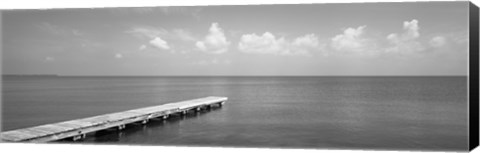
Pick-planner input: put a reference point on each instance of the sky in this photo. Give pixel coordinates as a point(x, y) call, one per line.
point(427, 38)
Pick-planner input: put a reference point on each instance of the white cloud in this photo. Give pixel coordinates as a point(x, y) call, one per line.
point(201, 46)
point(351, 40)
point(159, 43)
point(213, 62)
point(118, 55)
point(302, 45)
point(264, 44)
point(142, 47)
point(215, 42)
point(310, 40)
point(54, 29)
point(183, 35)
point(49, 59)
point(459, 37)
point(412, 28)
point(411, 31)
point(60, 30)
point(269, 44)
point(77, 32)
point(147, 32)
point(437, 41)
point(407, 41)
point(158, 37)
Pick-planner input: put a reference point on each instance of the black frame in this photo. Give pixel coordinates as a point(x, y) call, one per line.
point(473, 77)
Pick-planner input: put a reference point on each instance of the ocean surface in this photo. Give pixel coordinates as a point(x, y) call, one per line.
point(406, 113)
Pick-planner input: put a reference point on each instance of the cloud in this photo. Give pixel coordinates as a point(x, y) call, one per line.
point(49, 59)
point(213, 62)
point(147, 32)
point(264, 44)
point(59, 30)
point(460, 37)
point(215, 42)
point(118, 55)
point(142, 47)
point(77, 33)
point(351, 40)
point(407, 41)
point(269, 44)
point(159, 43)
point(182, 35)
point(411, 31)
point(412, 28)
point(437, 41)
point(304, 44)
point(54, 29)
point(158, 37)
point(309, 40)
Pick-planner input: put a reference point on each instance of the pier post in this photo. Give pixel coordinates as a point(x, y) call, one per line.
point(77, 137)
point(184, 112)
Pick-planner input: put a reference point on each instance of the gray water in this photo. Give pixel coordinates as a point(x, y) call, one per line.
point(411, 113)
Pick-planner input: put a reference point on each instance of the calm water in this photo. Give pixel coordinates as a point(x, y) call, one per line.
point(413, 113)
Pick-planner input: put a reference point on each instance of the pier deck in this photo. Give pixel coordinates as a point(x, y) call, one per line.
point(77, 129)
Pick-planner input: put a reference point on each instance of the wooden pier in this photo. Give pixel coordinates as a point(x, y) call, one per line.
point(77, 129)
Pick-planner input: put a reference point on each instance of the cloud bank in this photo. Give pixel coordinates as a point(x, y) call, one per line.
point(351, 40)
point(269, 44)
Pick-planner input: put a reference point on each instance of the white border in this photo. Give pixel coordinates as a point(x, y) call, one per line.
point(70, 148)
